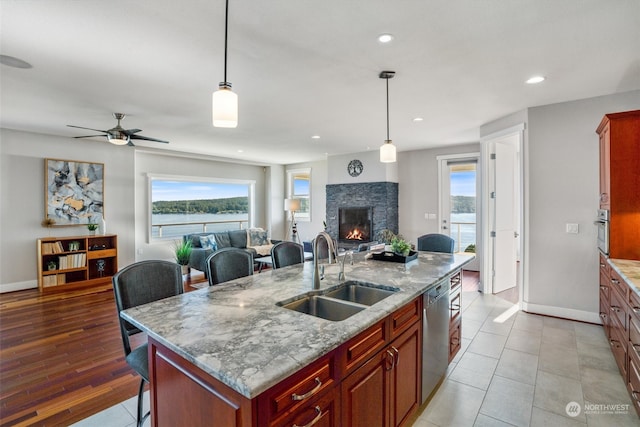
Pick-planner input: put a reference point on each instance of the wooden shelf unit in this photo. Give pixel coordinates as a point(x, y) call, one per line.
point(86, 261)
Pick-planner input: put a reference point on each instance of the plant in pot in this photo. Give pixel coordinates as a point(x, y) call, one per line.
point(400, 246)
point(92, 227)
point(183, 250)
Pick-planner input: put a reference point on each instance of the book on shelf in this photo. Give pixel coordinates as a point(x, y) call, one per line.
point(52, 248)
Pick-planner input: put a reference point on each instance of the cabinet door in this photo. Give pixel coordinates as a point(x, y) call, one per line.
point(405, 376)
point(365, 393)
point(605, 168)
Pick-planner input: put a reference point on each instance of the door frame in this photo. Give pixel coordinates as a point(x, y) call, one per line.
point(442, 161)
point(486, 276)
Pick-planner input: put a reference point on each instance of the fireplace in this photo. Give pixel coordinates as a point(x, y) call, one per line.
point(354, 224)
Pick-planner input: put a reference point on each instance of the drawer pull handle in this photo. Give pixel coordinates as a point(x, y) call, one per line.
point(615, 308)
point(309, 393)
point(455, 307)
point(615, 281)
point(636, 395)
point(614, 343)
point(635, 309)
point(393, 360)
point(603, 288)
point(313, 421)
point(602, 265)
point(603, 316)
point(636, 345)
point(397, 360)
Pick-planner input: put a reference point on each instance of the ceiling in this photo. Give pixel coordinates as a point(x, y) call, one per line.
point(303, 68)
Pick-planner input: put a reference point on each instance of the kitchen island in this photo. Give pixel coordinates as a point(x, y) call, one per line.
point(233, 341)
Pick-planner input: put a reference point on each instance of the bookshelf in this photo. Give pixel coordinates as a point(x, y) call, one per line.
point(66, 263)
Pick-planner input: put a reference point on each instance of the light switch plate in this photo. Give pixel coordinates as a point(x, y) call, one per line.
point(572, 228)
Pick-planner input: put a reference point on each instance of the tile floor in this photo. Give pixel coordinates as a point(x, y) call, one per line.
point(523, 371)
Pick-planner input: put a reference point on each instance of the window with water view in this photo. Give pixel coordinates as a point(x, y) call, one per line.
point(183, 207)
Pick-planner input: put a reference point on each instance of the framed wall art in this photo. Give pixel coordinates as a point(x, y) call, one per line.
point(74, 192)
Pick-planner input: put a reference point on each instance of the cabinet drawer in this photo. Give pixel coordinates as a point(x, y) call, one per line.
point(456, 281)
point(604, 265)
point(604, 316)
point(634, 303)
point(633, 385)
point(360, 348)
point(455, 306)
point(323, 411)
point(403, 318)
point(455, 338)
point(605, 286)
point(634, 334)
point(618, 310)
point(619, 349)
point(618, 284)
point(300, 388)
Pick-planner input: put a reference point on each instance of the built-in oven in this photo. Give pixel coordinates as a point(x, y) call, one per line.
point(603, 230)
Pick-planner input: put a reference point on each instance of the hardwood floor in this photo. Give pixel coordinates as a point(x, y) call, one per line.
point(61, 356)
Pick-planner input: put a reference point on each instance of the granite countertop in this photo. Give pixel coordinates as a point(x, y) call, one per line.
point(629, 270)
point(237, 334)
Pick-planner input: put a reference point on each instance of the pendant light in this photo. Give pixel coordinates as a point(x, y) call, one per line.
point(225, 102)
point(387, 150)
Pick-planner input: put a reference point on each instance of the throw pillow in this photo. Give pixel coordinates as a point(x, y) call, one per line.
point(258, 237)
point(209, 242)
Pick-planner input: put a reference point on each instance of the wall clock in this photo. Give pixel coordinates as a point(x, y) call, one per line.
point(355, 168)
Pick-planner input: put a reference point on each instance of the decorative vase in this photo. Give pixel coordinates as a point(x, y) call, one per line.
point(185, 269)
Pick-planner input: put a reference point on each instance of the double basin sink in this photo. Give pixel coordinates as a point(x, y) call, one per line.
point(341, 302)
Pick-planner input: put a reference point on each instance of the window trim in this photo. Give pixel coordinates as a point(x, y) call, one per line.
point(185, 178)
point(302, 217)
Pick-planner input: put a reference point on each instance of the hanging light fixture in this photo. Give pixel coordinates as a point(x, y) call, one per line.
point(387, 150)
point(225, 102)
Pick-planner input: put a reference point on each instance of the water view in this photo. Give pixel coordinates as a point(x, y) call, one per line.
point(176, 225)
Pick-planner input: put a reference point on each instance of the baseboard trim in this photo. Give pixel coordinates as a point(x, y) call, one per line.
point(565, 313)
point(18, 286)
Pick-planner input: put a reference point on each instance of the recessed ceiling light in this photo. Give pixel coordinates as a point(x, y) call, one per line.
point(240, 151)
point(418, 119)
point(315, 137)
point(10, 61)
point(536, 79)
point(385, 38)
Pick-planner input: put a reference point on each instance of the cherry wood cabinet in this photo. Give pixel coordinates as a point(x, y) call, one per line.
point(619, 135)
point(385, 391)
point(372, 379)
point(455, 315)
point(633, 350)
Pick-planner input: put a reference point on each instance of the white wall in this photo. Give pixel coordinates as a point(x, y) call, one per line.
point(22, 198)
point(418, 188)
point(22, 184)
point(561, 186)
point(373, 170)
point(307, 230)
point(190, 166)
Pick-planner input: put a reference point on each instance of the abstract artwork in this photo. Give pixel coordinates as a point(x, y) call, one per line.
point(74, 193)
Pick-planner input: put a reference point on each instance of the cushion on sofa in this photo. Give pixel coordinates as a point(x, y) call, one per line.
point(258, 239)
point(209, 242)
point(222, 239)
point(238, 238)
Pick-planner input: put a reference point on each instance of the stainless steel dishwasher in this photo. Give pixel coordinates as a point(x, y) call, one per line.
point(435, 338)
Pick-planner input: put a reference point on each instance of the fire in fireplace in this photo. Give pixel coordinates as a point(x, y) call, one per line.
point(354, 225)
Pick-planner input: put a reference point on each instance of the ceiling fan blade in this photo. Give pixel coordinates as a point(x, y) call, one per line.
point(80, 127)
point(146, 138)
point(131, 144)
point(132, 131)
point(87, 136)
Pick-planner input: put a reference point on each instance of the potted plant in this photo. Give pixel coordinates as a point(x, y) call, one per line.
point(400, 246)
point(183, 252)
point(92, 227)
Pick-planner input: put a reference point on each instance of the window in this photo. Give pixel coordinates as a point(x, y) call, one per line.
point(299, 187)
point(183, 205)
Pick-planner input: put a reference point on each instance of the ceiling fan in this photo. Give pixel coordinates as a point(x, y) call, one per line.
point(118, 135)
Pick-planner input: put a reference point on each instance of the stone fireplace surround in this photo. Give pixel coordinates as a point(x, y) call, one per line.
point(381, 196)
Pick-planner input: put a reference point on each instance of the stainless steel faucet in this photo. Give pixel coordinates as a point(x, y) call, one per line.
point(341, 275)
point(315, 277)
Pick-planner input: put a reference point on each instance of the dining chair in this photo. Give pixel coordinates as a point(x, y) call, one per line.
point(136, 284)
point(286, 253)
point(227, 264)
point(436, 243)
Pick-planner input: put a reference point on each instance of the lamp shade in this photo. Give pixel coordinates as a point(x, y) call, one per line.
point(291, 205)
point(225, 107)
point(118, 138)
point(387, 152)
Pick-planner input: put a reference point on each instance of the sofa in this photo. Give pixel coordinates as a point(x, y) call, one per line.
point(253, 240)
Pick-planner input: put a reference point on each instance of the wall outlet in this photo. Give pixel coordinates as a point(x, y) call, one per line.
point(573, 228)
